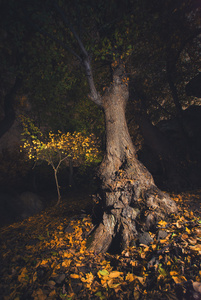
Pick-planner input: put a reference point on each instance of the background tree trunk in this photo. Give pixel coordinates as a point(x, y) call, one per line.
point(128, 189)
point(171, 162)
point(9, 112)
point(158, 143)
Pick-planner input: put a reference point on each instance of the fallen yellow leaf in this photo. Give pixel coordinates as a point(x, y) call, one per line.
point(134, 263)
point(75, 276)
point(130, 277)
point(174, 273)
point(66, 263)
point(103, 272)
point(196, 248)
point(115, 274)
point(162, 241)
point(178, 279)
point(113, 285)
point(188, 230)
point(52, 293)
point(34, 276)
point(154, 246)
point(44, 262)
point(162, 223)
point(21, 277)
point(140, 279)
point(67, 255)
point(192, 241)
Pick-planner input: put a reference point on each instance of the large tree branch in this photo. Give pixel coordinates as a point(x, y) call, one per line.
point(94, 95)
point(172, 59)
point(67, 23)
point(189, 39)
point(84, 58)
point(170, 68)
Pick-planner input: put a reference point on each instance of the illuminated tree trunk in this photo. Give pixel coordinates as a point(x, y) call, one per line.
point(128, 189)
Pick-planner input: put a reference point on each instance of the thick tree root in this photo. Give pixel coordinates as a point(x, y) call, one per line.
point(130, 212)
point(102, 239)
point(159, 205)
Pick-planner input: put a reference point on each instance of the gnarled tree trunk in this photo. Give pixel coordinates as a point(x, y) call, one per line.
point(129, 194)
point(128, 189)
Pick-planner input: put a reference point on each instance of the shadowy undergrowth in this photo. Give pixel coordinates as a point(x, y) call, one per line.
point(45, 257)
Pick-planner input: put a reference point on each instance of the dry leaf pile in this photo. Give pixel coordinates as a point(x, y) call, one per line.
point(45, 257)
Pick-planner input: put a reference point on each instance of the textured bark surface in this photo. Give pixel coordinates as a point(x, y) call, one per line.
point(132, 202)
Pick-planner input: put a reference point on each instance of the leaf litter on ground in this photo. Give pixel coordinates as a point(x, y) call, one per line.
point(45, 257)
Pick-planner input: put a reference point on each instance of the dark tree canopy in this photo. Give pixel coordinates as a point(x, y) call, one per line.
point(193, 88)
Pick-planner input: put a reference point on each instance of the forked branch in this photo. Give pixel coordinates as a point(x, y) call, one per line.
point(94, 95)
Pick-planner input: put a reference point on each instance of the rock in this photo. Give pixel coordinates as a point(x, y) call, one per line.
point(162, 235)
point(31, 204)
point(10, 209)
point(197, 287)
point(153, 263)
point(51, 284)
point(69, 229)
point(60, 278)
point(145, 238)
point(192, 290)
point(15, 208)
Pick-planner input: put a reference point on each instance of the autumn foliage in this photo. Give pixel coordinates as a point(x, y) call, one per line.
point(57, 148)
point(46, 257)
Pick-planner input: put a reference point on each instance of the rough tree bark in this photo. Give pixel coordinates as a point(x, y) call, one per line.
point(132, 202)
point(128, 189)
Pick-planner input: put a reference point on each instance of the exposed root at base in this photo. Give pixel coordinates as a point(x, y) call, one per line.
point(127, 216)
